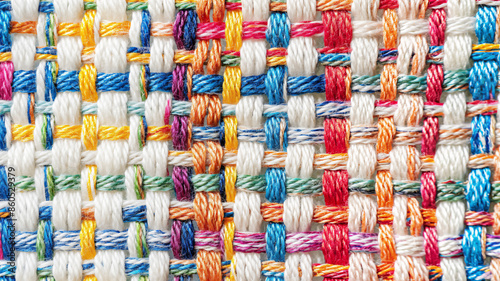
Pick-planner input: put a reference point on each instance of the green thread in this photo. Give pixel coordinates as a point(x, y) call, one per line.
point(25, 183)
point(303, 186)
point(67, 182)
point(251, 183)
point(110, 183)
point(362, 185)
point(206, 182)
point(51, 184)
point(450, 191)
point(150, 183)
point(495, 192)
point(410, 188)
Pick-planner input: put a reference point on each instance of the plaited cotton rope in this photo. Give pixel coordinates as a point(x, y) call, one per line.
point(245, 140)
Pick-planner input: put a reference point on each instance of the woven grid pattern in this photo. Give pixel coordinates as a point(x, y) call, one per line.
point(249, 139)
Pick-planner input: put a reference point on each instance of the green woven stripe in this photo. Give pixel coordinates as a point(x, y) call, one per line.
point(411, 188)
point(206, 182)
point(450, 191)
point(110, 183)
point(495, 192)
point(456, 80)
point(251, 183)
point(303, 186)
point(67, 182)
point(25, 183)
point(362, 185)
point(157, 183)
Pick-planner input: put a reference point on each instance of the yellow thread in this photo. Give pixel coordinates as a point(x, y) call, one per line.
point(89, 131)
point(228, 239)
point(160, 133)
point(87, 78)
point(91, 181)
point(7, 56)
point(135, 57)
point(231, 85)
point(87, 28)
point(234, 29)
point(68, 29)
point(68, 131)
point(274, 61)
point(87, 244)
point(230, 178)
point(90, 278)
point(113, 133)
point(231, 132)
point(183, 57)
point(45, 57)
point(114, 29)
point(22, 132)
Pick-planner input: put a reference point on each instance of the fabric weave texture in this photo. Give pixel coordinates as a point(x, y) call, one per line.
point(245, 140)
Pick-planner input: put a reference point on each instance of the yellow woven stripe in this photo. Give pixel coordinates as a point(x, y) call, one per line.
point(90, 131)
point(91, 181)
point(230, 177)
point(68, 29)
point(87, 235)
point(234, 27)
point(113, 133)
point(114, 29)
point(22, 132)
point(68, 131)
point(87, 28)
point(87, 79)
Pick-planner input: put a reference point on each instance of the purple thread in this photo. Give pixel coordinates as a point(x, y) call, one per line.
point(180, 132)
point(180, 176)
point(178, 31)
point(175, 241)
point(178, 82)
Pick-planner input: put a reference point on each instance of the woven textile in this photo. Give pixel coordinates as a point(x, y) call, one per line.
point(244, 140)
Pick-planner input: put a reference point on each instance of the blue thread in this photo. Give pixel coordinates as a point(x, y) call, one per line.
point(3, 134)
point(276, 185)
point(253, 85)
point(46, 7)
point(486, 24)
point(24, 81)
point(4, 185)
point(222, 133)
point(46, 184)
point(50, 81)
point(112, 82)
point(49, 140)
point(28, 111)
point(5, 6)
point(145, 28)
point(278, 30)
point(160, 81)
point(304, 85)
point(207, 84)
point(483, 80)
point(222, 183)
point(274, 138)
point(5, 18)
point(275, 80)
point(478, 190)
point(187, 240)
point(48, 239)
point(68, 81)
point(190, 26)
point(471, 245)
